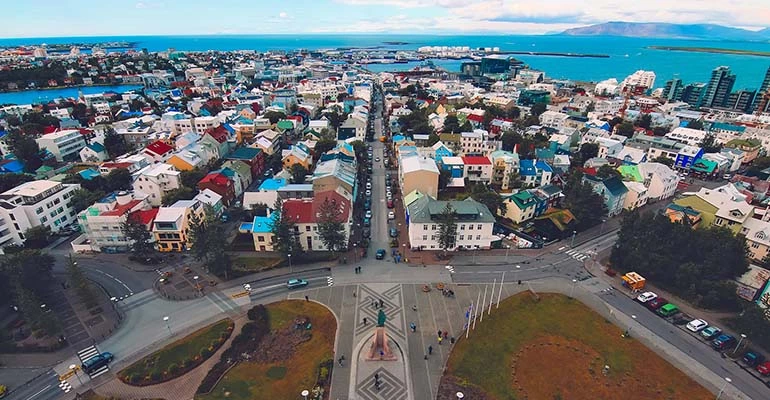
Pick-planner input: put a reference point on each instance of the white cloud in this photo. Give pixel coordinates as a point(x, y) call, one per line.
point(283, 14)
point(148, 4)
point(141, 5)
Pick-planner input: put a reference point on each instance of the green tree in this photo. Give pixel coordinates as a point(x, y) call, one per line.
point(625, 128)
point(588, 151)
point(433, 139)
point(31, 307)
point(174, 195)
point(336, 117)
point(298, 173)
point(510, 139)
point(444, 177)
point(139, 238)
point(660, 131)
point(37, 237)
point(331, 226)
point(514, 180)
point(710, 145)
point(81, 284)
point(115, 144)
point(695, 124)
point(26, 149)
point(285, 234)
point(663, 160)
point(274, 116)
point(538, 108)
point(10, 181)
point(447, 228)
point(190, 179)
point(206, 235)
point(82, 199)
point(119, 179)
point(644, 121)
point(324, 145)
point(29, 267)
point(586, 205)
point(487, 197)
point(451, 124)
point(607, 171)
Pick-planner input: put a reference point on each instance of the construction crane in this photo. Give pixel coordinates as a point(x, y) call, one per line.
point(627, 95)
point(763, 103)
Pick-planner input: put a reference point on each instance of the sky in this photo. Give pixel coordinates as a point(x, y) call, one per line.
point(55, 18)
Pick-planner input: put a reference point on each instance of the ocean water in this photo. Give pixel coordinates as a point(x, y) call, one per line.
point(44, 95)
point(626, 54)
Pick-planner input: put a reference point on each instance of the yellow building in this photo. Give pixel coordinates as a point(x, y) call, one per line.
point(171, 227)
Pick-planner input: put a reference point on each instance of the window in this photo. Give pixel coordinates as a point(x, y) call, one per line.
point(754, 245)
point(424, 237)
point(462, 227)
point(470, 227)
point(57, 201)
point(433, 227)
point(60, 210)
point(260, 238)
point(432, 237)
point(478, 237)
point(43, 220)
point(307, 228)
point(462, 237)
point(39, 210)
point(13, 218)
point(425, 227)
point(478, 227)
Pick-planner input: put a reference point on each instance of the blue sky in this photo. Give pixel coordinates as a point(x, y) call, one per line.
point(50, 18)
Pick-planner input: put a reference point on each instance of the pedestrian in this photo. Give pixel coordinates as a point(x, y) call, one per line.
point(452, 340)
point(354, 294)
point(445, 335)
point(439, 340)
point(439, 333)
point(365, 320)
point(307, 298)
point(376, 377)
point(430, 349)
point(413, 326)
point(426, 357)
point(414, 307)
point(382, 304)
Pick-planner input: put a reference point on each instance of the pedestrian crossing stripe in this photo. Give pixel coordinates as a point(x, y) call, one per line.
point(329, 281)
point(450, 268)
point(87, 353)
point(65, 386)
point(98, 372)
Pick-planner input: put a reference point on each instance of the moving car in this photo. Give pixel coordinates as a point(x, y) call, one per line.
point(668, 310)
point(710, 332)
point(377, 159)
point(368, 192)
point(96, 362)
point(296, 283)
point(646, 296)
point(391, 215)
point(247, 287)
point(722, 342)
point(393, 232)
point(367, 221)
point(380, 254)
point(697, 325)
point(655, 303)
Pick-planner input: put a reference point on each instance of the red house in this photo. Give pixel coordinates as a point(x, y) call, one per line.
point(219, 184)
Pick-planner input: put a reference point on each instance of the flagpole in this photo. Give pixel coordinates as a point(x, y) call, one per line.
point(491, 296)
point(483, 303)
point(475, 310)
point(500, 292)
point(468, 325)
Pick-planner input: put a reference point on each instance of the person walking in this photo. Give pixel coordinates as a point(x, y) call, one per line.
point(365, 321)
point(430, 349)
point(307, 298)
point(452, 340)
point(445, 335)
point(439, 340)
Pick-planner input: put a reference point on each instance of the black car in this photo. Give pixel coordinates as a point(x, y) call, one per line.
point(96, 362)
point(367, 233)
point(380, 254)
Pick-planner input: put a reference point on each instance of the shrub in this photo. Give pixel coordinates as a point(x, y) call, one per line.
point(215, 343)
point(173, 368)
point(155, 376)
point(134, 378)
point(185, 363)
point(205, 352)
point(257, 313)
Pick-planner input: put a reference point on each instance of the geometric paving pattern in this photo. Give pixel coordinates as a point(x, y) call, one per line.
point(391, 305)
point(391, 387)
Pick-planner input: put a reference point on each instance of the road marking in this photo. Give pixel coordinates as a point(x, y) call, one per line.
point(113, 278)
point(65, 386)
point(240, 294)
point(41, 391)
point(329, 281)
point(561, 248)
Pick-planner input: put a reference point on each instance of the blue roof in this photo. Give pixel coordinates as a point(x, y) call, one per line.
point(12, 166)
point(527, 168)
point(229, 128)
point(89, 174)
point(728, 127)
point(97, 147)
point(227, 172)
point(262, 225)
point(244, 153)
point(544, 166)
point(3, 133)
point(272, 184)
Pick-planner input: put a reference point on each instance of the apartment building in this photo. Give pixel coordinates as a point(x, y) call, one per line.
point(171, 228)
point(102, 222)
point(64, 145)
point(474, 224)
point(156, 180)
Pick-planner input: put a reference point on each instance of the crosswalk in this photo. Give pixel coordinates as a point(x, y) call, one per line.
point(65, 386)
point(87, 353)
point(329, 281)
point(450, 268)
point(578, 255)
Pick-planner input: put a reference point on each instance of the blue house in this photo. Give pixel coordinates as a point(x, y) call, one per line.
point(454, 165)
point(440, 151)
point(687, 157)
point(535, 173)
point(611, 189)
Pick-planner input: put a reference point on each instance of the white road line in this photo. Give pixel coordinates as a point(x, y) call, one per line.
point(113, 278)
point(561, 248)
point(41, 391)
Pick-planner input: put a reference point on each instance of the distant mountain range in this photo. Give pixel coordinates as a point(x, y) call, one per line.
point(666, 30)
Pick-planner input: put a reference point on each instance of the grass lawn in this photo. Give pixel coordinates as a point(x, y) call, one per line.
point(557, 348)
point(281, 380)
point(250, 265)
point(182, 353)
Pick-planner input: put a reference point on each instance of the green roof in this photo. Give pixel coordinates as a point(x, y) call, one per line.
point(630, 172)
point(285, 125)
point(523, 199)
point(743, 142)
point(705, 166)
point(426, 209)
point(412, 196)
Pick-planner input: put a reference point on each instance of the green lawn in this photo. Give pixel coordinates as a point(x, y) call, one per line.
point(555, 327)
point(281, 380)
point(176, 358)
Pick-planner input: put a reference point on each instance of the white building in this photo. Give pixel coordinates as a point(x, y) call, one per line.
point(156, 180)
point(102, 223)
point(660, 180)
point(64, 145)
point(33, 204)
point(471, 142)
point(691, 137)
point(553, 119)
point(474, 225)
point(639, 78)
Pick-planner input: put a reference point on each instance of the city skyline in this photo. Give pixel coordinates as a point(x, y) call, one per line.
point(175, 17)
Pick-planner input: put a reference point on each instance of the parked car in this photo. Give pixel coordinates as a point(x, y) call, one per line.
point(247, 287)
point(368, 193)
point(96, 362)
point(393, 232)
point(722, 342)
point(697, 325)
point(367, 221)
point(368, 214)
point(710, 332)
point(367, 204)
point(646, 296)
point(668, 310)
point(753, 358)
point(390, 203)
point(369, 185)
point(391, 215)
point(380, 254)
point(367, 233)
point(655, 303)
point(764, 368)
point(296, 283)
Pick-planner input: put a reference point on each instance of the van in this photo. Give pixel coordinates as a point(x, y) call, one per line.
point(96, 362)
point(668, 310)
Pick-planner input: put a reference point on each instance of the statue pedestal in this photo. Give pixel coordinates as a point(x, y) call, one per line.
point(380, 350)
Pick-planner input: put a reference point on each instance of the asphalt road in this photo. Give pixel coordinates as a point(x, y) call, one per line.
point(44, 387)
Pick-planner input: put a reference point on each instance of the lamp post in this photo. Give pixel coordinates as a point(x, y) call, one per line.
point(305, 393)
point(628, 332)
point(74, 369)
point(601, 228)
point(355, 253)
point(166, 319)
point(475, 249)
point(573, 239)
point(507, 249)
point(289, 256)
point(572, 291)
point(459, 395)
point(195, 280)
point(724, 386)
point(518, 268)
point(743, 336)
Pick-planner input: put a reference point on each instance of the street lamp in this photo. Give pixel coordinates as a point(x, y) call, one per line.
point(195, 280)
point(304, 394)
point(572, 291)
point(459, 395)
point(355, 253)
point(601, 228)
point(743, 336)
point(165, 319)
point(74, 369)
point(573, 239)
point(289, 256)
point(724, 386)
point(475, 250)
point(628, 332)
point(518, 268)
point(507, 249)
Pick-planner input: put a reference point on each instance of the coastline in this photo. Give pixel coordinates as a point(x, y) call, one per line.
point(712, 50)
point(69, 87)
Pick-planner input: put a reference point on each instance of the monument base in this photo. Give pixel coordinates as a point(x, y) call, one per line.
point(380, 349)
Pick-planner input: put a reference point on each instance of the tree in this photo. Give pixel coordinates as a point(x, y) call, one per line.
point(26, 149)
point(336, 118)
point(206, 235)
point(644, 121)
point(433, 139)
point(30, 267)
point(607, 171)
point(588, 151)
point(81, 284)
point(466, 126)
point(324, 145)
point(510, 139)
point(30, 306)
point(625, 128)
point(586, 205)
point(139, 238)
point(330, 226)
point(695, 124)
point(174, 195)
point(444, 177)
point(274, 116)
point(190, 179)
point(283, 228)
point(82, 199)
point(487, 197)
point(538, 108)
point(451, 124)
point(660, 131)
point(37, 237)
point(298, 173)
point(663, 160)
point(514, 180)
point(447, 228)
point(119, 179)
point(115, 144)
point(10, 181)
point(709, 144)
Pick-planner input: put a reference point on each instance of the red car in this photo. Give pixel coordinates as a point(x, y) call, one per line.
point(656, 303)
point(390, 203)
point(764, 368)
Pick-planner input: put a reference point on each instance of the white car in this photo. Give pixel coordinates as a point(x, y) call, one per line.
point(247, 287)
point(368, 185)
point(646, 296)
point(368, 192)
point(368, 214)
point(697, 325)
point(391, 215)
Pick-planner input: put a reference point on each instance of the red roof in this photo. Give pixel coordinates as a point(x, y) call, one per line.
point(299, 210)
point(116, 165)
point(49, 129)
point(476, 160)
point(121, 209)
point(334, 197)
point(219, 133)
point(216, 178)
point(145, 217)
point(158, 147)
point(475, 118)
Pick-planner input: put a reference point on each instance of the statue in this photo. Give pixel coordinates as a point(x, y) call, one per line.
point(380, 348)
